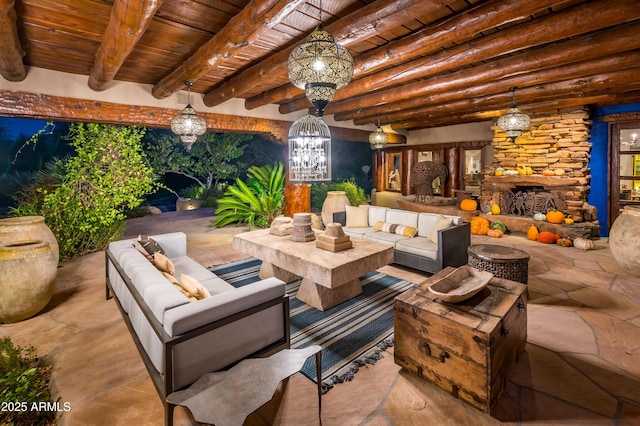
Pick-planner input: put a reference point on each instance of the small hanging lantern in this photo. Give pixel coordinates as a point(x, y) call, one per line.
point(187, 124)
point(514, 122)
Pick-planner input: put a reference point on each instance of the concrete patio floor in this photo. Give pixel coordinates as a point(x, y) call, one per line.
point(581, 364)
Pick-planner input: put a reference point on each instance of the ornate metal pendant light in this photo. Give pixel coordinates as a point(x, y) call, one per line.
point(187, 124)
point(514, 122)
point(320, 67)
point(379, 138)
point(309, 150)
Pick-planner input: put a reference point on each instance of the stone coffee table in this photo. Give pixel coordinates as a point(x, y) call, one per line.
point(328, 278)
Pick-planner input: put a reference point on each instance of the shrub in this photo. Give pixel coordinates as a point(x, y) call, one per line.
point(23, 383)
point(256, 202)
point(107, 177)
point(355, 194)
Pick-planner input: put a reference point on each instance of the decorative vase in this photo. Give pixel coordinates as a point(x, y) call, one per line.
point(623, 240)
point(335, 202)
point(27, 228)
point(27, 279)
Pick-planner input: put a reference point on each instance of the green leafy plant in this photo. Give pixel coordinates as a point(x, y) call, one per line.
point(256, 202)
point(355, 194)
point(24, 384)
point(107, 176)
point(209, 162)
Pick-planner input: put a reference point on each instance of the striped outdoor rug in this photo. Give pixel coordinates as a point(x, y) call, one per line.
point(351, 334)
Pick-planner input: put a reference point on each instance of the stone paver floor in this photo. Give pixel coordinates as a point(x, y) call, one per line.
point(581, 364)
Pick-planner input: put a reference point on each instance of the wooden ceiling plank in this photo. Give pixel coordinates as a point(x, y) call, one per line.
point(129, 20)
point(579, 49)
point(242, 29)
point(357, 26)
point(585, 68)
point(576, 87)
point(11, 52)
point(429, 40)
point(533, 33)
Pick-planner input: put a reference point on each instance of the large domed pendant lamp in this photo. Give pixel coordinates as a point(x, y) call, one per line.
point(187, 124)
point(320, 67)
point(378, 139)
point(514, 122)
point(309, 150)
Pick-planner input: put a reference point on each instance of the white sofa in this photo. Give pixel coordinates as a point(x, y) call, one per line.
point(424, 251)
point(179, 340)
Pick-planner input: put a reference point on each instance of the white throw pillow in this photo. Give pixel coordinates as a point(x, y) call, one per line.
point(357, 217)
point(440, 223)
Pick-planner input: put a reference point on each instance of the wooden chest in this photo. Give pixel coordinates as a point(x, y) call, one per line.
point(469, 348)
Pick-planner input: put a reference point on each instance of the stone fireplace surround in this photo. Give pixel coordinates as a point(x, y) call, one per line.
point(554, 141)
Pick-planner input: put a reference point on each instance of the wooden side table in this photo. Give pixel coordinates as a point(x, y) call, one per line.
point(503, 262)
point(228, 397)
point(469, 348)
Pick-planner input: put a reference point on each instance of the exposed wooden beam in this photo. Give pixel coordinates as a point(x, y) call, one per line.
point(549, 62)
point(533, 33)
point(33, 105)
point(398, 53)
point(257, 17)
point(129, 20)
point(11, 52)
point(359, 25)
point(575, 87)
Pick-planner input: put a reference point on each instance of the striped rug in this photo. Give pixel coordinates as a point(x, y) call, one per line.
point(351, 334)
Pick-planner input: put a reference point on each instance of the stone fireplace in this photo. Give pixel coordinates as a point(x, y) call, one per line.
point(556, 144)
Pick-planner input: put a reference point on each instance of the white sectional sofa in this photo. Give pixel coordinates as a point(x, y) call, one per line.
point(424, 241)
point(179, 340)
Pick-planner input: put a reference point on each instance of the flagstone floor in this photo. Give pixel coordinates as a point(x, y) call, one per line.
point(581, 364)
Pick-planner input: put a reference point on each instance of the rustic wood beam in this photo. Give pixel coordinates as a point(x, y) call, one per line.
point(620, 116)
point(39, 106)
point(129, 20)
point(256, 18)
point(581, 86)
point(543, 30)
point(540, 108)
point(427, 41)
point(359, 25)
point(11, 52)
point(546, 61)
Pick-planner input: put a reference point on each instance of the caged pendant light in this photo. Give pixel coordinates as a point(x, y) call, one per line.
point(514, 122)
point(309, 150)
point(187, 124)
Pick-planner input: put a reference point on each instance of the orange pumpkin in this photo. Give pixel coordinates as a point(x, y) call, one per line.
point(495, 233)
point(469, 205)
point(548, 237)
point(564, 242)
point(555, 216)
point(479, 225)
point(532, 233)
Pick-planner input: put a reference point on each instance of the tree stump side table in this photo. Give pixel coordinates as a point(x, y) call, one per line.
point(503, 262)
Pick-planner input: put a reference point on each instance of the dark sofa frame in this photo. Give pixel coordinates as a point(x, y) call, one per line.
point(164, 385)
point(453, 243)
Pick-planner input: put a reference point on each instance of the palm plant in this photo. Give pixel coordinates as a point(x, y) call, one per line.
point(256, 202)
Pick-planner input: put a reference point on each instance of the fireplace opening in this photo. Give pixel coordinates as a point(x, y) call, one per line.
point(528, 200)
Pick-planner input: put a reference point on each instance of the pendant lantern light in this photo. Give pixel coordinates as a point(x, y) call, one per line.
point(309, 150)
point(514, 122)
point(187, 124)
point(378, 139)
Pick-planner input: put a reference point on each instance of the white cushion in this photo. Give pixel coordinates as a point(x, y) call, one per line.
point(418, 246)
point(440, 223)
point(402, 217)
point(357, 217)
point(377, 214)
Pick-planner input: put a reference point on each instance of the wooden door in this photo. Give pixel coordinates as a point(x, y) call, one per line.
point(624, 181)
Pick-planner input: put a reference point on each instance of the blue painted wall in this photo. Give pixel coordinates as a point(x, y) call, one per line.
point(598, 163)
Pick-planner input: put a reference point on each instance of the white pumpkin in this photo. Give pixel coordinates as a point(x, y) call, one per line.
point(584, 244)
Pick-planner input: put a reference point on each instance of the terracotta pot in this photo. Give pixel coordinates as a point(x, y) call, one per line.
point(335, 202)
point(27, 279)
point(624, 240)
point(27, 228)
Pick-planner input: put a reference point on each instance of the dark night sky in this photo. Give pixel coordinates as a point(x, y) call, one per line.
point(21, 126)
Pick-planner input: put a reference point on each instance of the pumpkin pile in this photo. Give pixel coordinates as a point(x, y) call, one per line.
point(479, 225)
point(468, 205)
point(547, 237)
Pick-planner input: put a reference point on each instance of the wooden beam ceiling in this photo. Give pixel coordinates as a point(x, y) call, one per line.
point(418, 63)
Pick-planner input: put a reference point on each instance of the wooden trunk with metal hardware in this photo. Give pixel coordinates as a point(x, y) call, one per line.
point(468, 348)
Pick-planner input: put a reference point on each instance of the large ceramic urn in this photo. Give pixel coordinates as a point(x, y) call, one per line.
point(335, 202)
point(624, 240)
point(28, 266)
